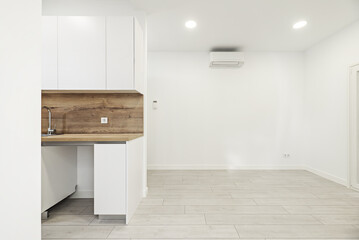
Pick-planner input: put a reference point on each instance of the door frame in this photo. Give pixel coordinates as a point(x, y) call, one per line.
point(353, 171)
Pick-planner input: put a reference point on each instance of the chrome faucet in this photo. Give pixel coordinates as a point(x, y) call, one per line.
point(50, 131)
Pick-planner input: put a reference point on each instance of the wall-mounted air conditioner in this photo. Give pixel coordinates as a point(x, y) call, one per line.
point(226, 59)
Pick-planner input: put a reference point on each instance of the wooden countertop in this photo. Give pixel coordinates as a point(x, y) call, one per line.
point(91, 137)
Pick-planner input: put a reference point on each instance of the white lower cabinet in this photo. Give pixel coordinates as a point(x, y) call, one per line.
point(118, 176)
point(110, 179)
point(118, 179)
point(58, 174)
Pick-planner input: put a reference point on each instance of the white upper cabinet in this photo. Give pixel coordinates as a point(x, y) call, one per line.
point(49, 56)
point(125, 54)
point(93, 53)
point(120, 53)
point(81, 53)
point(139, 58)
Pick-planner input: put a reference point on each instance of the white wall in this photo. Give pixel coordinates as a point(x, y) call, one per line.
point(224, 118)
point(20, 104)
point(326, 102)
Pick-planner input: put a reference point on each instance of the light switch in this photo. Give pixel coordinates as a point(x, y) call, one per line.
point(104, 120)
point(155, 104)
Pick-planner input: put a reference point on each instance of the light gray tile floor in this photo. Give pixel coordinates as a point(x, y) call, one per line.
point(222, 205)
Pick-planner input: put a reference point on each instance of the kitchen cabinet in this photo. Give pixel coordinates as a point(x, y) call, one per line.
point(58, 174)
point(118, 172)
point(49, 53)
point(124, 57)
point(93, 53)
point(110, 179)
point(81, 53)
point(118, 181)
point(120, 53)
point(139, 58)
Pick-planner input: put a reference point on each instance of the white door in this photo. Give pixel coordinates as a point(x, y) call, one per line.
point(49, 52)
point(120, 53)
point(354, 127)
point(81, 53)
point(135, 187)
point(58, 174)
point(110, 179)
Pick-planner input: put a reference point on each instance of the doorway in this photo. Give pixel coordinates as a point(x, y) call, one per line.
point(353, 170)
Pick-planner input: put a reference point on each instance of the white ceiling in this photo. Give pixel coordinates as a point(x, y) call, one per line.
point(250, 25)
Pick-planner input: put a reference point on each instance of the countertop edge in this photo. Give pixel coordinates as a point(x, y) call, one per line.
point(90, 138)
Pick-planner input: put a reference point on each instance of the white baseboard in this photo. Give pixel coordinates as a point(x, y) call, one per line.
point(83, 194)
point(90, 194)
point(222, 167)
point(250, 167)
point(327, 176)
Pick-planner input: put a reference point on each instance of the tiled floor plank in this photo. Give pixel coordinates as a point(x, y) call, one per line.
point(222, 205)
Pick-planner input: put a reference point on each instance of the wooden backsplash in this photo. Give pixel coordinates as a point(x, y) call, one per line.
point(78, 113)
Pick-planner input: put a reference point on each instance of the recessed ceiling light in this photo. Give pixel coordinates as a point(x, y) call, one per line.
point(299, 24)
point(191, 24)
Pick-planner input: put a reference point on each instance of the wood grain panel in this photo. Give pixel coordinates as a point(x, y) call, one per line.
point(80, 113)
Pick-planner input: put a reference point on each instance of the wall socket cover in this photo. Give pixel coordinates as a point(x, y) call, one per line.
point(104, 120)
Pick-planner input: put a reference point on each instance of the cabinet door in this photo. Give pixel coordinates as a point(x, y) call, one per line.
point(110, 179)
point(81, 53)
point(49, 52)
point(120, 53)
point(58, 174)
point(135, 176)
point(139, 58)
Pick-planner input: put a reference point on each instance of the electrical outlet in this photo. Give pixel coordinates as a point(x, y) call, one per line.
point(104, 120)
point(286, 155)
